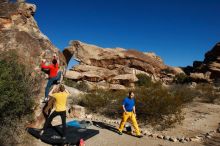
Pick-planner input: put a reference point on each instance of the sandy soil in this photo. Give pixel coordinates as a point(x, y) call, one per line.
point(200, 118)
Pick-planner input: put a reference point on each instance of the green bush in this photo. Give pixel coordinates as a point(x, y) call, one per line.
point(143, 80)
point(16, 102)
point(82, 86)
point(154, 105)
point(104, 102)
point(183, 92)
point(70, 82)
point(207, 92)
point(158, 106)
point(181, 78)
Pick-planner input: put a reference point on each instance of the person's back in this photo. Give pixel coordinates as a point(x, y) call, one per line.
point(53, 70)
point(54, 67)
point(54, 76)
point(60, 103)
point(60, 108)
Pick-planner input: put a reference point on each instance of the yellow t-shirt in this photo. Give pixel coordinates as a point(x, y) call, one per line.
point(60, 104)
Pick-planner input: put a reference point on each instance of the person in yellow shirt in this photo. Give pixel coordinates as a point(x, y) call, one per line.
point(60, 108)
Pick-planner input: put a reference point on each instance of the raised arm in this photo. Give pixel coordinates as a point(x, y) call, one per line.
point(43, 66)
point(52, 91)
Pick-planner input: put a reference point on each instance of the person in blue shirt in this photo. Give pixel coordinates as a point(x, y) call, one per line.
point(128, 106)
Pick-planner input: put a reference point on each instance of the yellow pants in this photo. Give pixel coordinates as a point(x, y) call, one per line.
point(131, 116)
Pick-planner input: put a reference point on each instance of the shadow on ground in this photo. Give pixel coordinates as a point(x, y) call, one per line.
point(110, 128)
point(214, 141)
point(105, 126)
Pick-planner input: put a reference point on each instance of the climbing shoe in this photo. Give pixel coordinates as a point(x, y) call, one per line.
point(120, 133)
point(45, 100)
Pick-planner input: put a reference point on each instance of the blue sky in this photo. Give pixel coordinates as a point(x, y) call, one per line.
point(179, 31)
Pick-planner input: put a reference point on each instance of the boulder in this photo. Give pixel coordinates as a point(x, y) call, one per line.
point(74, 91)
point(19, 33)
point(197, 75)
point(196, 139)
point(160, 136)
point(77, 111)
point(115, 65)
point(104, 85)
point(173, 139)
point(124, 79)
point(73, 75)
point(166, 137)
point(117, 87)
point(200, 77)
point(93, 73)
point(211, 63)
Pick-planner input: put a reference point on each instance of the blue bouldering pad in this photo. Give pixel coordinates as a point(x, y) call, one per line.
point(80, 124)
point(73, 123)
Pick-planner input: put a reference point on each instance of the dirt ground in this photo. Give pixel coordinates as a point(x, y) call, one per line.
point(110, 138)
point(200, 118)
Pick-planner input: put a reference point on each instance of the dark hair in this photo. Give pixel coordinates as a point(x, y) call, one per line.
point(54, 61)
point(61, 88)
point(129, 93)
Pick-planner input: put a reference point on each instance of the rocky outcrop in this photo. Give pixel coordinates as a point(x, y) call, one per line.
point(212, 61)
point(209, 69)
point(115, 66)
point(200, 77)
point(77, 111)
point(19, 33)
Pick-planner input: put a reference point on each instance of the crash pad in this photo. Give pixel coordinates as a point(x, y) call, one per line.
point(53, 134)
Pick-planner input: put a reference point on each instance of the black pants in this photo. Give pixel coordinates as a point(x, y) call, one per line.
point(53, 115)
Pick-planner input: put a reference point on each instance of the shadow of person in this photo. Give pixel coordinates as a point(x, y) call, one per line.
point(105, 126)
point(110, 127)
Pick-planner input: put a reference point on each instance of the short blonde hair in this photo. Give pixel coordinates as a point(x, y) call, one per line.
point(61, 88)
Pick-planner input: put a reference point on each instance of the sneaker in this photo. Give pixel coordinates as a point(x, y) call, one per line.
point(120, 133)
point(41, 132)
point(45, 100)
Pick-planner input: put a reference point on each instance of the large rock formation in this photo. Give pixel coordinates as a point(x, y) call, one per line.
point(19, 33)
point(116, 66)
point(209, 69)
point(212, 61)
